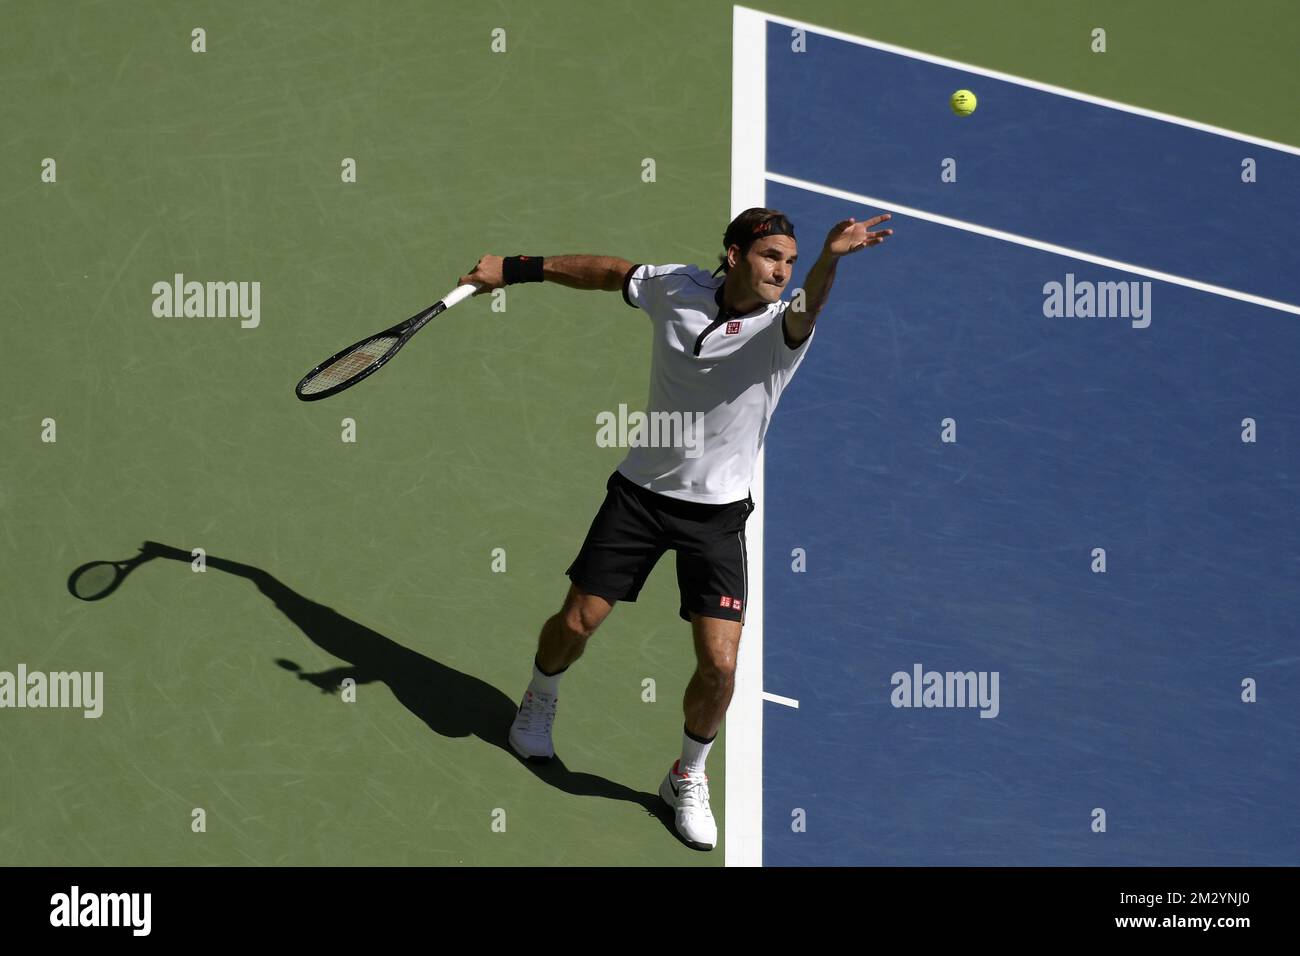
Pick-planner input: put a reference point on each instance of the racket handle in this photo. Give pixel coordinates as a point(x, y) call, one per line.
point(459, 294)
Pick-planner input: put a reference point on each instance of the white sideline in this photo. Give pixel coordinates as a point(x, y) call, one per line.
point(743, 801)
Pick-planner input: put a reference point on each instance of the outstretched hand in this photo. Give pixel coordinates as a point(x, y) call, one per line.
point(850, 236)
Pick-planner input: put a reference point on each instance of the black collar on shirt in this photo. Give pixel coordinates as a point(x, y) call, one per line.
point(723, 311)
point(724, 314)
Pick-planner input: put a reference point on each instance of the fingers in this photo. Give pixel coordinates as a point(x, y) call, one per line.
point(474, 279)
point(866, 223)
point(486, 274)
point(872, 239)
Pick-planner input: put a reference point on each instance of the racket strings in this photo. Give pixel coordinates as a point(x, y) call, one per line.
point(351, 365)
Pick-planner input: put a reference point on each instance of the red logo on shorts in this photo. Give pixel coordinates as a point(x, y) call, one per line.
point(733, 328)
point(726, 601)
point(731, 602)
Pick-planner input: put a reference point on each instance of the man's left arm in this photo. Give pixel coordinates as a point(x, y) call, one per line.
point(845, 238)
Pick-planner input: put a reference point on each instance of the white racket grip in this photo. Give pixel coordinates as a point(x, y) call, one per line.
point(459, 294)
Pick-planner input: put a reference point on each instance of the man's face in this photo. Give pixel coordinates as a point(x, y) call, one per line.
point(767, 266)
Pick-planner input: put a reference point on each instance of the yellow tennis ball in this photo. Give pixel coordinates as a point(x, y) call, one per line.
point(963, 102)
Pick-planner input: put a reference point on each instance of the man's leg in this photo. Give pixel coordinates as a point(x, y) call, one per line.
point(686, 788)
point(709, 692)
point(564, 635)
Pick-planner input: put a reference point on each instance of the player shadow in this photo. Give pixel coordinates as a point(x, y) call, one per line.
point(450, 703)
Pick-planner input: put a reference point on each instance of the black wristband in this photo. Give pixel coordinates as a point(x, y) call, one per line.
point(521, 269)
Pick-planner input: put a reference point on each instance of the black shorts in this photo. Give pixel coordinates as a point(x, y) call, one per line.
point(634, 527)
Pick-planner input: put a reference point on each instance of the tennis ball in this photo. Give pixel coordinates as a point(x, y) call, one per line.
point(963, 102)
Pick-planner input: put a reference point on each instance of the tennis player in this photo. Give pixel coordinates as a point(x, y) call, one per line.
point(723, 347)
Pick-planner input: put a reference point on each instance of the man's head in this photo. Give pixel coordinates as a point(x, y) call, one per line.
point(760, 254)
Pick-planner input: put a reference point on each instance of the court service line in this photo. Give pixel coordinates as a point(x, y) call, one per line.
point(778, 699)
point(1031, 84)
point(1034, 243)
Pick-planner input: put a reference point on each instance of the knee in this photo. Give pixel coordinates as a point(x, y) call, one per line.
point(580, 621)
point(717, 671)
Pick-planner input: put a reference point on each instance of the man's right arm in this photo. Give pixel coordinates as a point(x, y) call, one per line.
point(598, 273)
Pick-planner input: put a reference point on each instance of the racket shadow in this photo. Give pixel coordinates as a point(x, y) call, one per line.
point(451, 703)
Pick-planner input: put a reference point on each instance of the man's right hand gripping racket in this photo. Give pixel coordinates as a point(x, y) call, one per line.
point(356, 362)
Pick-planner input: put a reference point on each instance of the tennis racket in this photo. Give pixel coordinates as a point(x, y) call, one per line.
point(356, 362)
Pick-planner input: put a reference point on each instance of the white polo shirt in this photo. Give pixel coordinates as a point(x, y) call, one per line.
point(715, 380)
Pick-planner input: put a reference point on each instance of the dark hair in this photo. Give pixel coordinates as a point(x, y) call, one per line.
point(750, 226)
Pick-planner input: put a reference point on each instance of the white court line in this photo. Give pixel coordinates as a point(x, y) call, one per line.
point(743, 797)
point(1034, 243)
point(1022, 81)
point(778, 699)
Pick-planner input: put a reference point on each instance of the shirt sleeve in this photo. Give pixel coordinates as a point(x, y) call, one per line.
point(647, 287)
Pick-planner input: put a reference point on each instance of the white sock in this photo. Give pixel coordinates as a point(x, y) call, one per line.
point(694, 753)
point(544, 683)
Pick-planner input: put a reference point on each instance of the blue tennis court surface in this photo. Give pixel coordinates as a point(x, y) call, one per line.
point(1119, 691)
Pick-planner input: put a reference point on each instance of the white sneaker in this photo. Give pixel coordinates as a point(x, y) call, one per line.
point(530, 734)
point(688, 795)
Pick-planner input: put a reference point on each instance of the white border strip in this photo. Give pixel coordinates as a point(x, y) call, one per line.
point(778, 699)
point(744, 787)
point(1034, 243)
point(1021, 81)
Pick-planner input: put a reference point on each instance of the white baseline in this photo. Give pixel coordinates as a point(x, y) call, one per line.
point(1022, 81)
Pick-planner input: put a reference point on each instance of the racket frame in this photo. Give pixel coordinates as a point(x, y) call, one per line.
point(404, 332)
